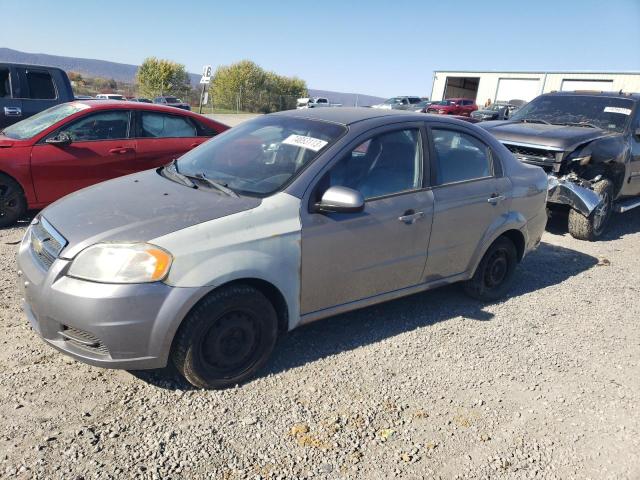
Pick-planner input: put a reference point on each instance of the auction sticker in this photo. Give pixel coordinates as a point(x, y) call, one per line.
point(624, 111)
point(310, 143)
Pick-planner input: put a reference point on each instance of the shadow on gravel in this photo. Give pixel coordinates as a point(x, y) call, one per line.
point(545, 267)
point(620, 224)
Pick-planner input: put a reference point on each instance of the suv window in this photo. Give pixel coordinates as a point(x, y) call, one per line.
point(459, 157)
point(40, 85)
point(383, 165)
point(414, 100)
point(100, 126)
point(467, 102)
point(5, 83)
point(160, 125)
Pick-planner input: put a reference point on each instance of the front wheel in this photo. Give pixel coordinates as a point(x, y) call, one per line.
point(494, 274)
point(226, 338)
point(13, 205)
point(592, 227)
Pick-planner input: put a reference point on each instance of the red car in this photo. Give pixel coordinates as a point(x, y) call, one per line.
point(77, 144)
point(453, 106)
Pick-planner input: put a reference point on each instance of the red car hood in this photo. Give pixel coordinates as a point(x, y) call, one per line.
point(6, 142)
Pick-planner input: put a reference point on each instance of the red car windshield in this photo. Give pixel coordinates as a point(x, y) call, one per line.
point(38, 123)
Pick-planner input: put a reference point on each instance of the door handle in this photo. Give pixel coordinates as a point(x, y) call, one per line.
point(121, 150)
point(410, 217)
point(495, 199)
point(12, 112)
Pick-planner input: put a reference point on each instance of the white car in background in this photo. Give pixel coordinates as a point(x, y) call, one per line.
point(110, 96)
point(399, 103)
point(314, 102)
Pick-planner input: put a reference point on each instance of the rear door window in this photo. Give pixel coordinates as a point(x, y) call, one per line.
point(459, 157)
point(40, 85)
point(5, 83)
point(160, 125)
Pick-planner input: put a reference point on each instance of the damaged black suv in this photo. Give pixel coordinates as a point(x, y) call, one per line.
point(589, 145)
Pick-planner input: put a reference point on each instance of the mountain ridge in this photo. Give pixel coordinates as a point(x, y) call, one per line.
point(124, 72)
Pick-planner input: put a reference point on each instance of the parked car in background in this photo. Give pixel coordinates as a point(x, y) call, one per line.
point(315, 102)
point(496, 111)
point(421, 106)
point(83, 97)
point(77, 144)
point(283, 220)
point(589, 145)
point(28, 89)
point(398, 103)
point(110, 96)
point(140, 99)
point(453, 106)
point(172, 102)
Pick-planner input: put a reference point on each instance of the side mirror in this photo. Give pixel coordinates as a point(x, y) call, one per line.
point(340, 200)
point(63, 138)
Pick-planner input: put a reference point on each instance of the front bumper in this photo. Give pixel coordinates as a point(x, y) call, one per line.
point(580, 198)
point(107, 325)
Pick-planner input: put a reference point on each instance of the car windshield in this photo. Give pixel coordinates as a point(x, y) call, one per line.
point(495, 107)
point(258, 157)
point(609, 113)
point(172, 100)
point(443, 102)
point(39, 122)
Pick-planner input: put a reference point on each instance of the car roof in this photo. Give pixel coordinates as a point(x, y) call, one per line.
point(595, 93)
point(351, 115)
point(107, 104)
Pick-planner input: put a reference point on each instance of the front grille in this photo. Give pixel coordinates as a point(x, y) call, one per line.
point(537, 156)
point(84, 340)
point(46, 243)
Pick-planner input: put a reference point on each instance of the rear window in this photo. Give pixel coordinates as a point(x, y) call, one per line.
point(40, 85)
point(160, 125)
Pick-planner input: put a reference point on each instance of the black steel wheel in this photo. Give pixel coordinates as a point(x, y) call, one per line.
point(13, 205)
point(494, 275)
point(226, 338)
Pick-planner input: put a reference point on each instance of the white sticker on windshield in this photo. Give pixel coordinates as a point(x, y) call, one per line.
point(311, 143)
point(624, 111)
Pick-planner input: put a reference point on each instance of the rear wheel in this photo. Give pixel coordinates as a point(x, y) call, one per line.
point(226, 338)
point(494, 274)
point(13, 205)
point(592, 227)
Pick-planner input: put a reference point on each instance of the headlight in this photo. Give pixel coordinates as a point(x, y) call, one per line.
point(121, 263)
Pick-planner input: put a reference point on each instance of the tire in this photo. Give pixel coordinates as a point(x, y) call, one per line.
point(595, 225)
point(494, 275)
point(225, 338)
point(13, 205)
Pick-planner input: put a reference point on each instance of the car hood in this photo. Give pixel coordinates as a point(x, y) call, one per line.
point(557, 136)
point(136, 208)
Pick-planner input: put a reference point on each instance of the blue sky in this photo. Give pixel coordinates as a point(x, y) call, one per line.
point(376, 47)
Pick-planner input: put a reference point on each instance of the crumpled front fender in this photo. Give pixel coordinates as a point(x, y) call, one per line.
point(565, 192)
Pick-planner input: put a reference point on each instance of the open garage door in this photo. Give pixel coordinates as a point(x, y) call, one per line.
point(461, 87)
point(525, 89)
point(597, 85)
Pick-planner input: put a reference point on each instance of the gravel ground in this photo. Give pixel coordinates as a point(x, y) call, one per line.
point(543, 385)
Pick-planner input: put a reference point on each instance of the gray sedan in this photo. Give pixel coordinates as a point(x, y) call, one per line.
point(281, 221)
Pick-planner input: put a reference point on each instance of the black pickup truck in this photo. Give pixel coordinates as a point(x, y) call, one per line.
point(589, 145)
point(28, 89)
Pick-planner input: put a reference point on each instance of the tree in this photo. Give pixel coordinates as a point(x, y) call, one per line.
point(157, 77)
point(246, 86)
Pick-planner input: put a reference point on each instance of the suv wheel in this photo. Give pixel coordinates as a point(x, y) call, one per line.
point(13, 205)
point(226, 338)
point(494, 274)
point(592, 227)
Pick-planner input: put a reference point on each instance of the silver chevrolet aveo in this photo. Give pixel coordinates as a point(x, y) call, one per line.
point(283, 220)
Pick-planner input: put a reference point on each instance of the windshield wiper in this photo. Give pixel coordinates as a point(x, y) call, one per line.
point(579, 124)
point(222, 187)
point(534, 120)
point(172, 171)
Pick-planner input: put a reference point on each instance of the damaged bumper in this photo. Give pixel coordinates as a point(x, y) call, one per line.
point(578, 197)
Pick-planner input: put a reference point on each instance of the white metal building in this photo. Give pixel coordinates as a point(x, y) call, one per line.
point(506, 86)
